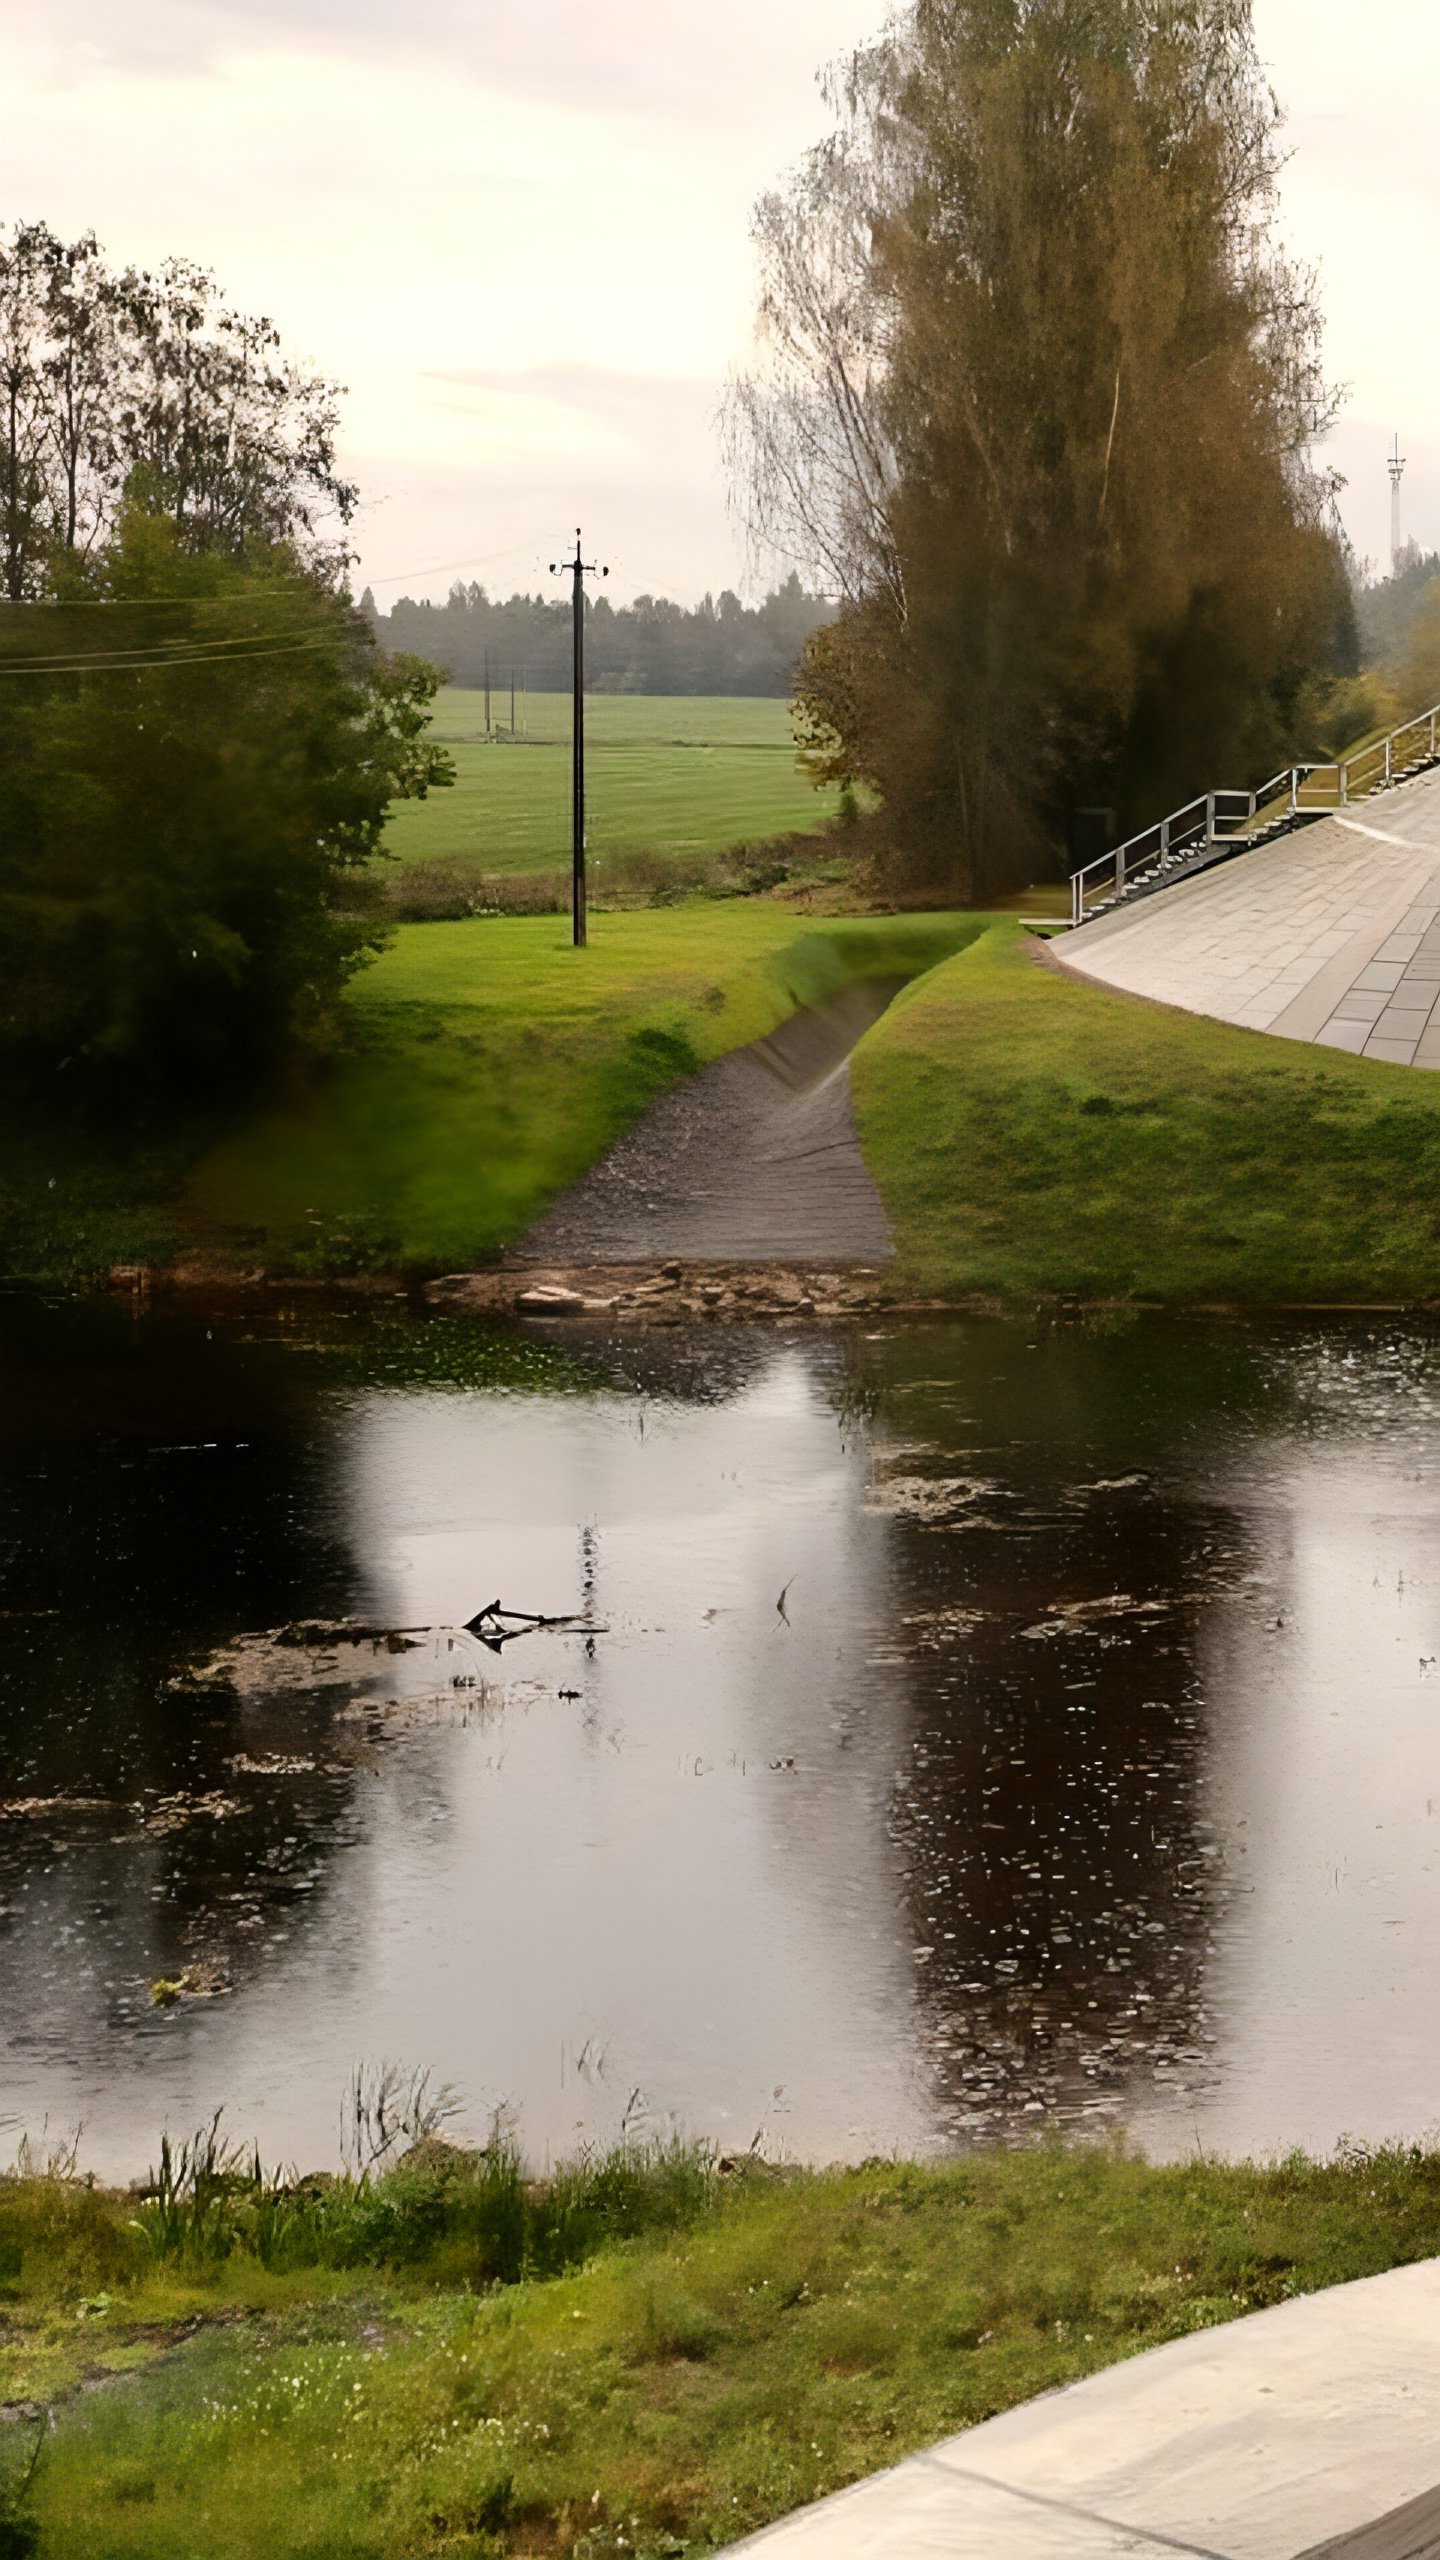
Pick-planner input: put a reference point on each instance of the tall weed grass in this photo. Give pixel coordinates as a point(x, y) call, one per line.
point(448, 889)
point(464, 2216)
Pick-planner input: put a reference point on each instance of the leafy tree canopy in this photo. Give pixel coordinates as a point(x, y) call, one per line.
point(197, 752)
point(1040, 392)
point(105, 372)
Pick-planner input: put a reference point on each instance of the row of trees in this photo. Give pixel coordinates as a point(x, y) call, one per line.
point(199, 739)
point(1039, 394)
point(652, 646)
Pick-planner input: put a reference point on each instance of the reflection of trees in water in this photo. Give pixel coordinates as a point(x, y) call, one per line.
point(158, 1490)
point(688, 1364)
point(1047, 1817)
point(1060, 1896)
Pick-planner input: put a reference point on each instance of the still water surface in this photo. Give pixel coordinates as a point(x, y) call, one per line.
point(1090, 1773)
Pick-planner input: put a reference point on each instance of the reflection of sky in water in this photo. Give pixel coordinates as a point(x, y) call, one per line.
point(1094, 1778)
point(1323, 1768)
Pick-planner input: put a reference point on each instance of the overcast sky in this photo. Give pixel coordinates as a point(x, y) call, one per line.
point(517, 229)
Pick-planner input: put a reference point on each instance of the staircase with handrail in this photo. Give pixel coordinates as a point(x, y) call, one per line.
point(1221, 824)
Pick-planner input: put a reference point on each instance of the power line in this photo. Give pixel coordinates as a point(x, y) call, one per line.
point(134, 604)
point(375, 578)
point(118, 663)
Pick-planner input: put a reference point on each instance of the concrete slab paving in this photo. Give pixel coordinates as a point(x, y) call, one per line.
point(1337, 924)
point(1277, 2435)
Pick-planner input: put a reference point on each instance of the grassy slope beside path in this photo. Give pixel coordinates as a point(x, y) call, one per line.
point(1032, 1134)
point(719, 2354)
point(491, 1064)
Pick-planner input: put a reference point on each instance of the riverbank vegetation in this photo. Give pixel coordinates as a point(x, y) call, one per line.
point(1036, 1136)
point(200, 742)
point(482, 1067)
point(1032, 1136)
point(648, 2354)
point(187, 836)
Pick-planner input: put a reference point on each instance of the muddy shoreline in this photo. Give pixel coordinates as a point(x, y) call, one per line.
point(667, 1293)
point(676, 1292)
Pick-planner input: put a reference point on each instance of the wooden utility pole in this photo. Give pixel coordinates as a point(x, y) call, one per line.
point(487, 693)
point(579, 569)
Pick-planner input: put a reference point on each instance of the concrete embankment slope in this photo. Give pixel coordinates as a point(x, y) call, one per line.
point(1331, 934)
point(754, 1160)
point(1312, 2429)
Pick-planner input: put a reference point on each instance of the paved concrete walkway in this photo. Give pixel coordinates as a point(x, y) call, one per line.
point(1329, 935)
point(1279, 2435)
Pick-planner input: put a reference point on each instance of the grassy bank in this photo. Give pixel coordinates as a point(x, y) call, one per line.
point(674, 777)
point(485, 1065)
point(1032, 1134)
point(642, 2357)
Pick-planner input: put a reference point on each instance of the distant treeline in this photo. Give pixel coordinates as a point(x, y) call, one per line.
point(651, 646)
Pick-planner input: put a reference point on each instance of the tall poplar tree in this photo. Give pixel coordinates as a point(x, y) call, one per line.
point(1040, 389)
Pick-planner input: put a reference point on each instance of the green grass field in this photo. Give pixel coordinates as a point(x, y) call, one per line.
point(680, 775)
point(491, 1064)
point(485, 1065)
point(1033, 1135)
point(642, 2359)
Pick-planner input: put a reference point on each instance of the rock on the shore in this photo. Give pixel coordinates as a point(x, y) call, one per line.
point(550, 1302)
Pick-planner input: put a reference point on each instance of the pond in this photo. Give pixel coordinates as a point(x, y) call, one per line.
point(963, 1729)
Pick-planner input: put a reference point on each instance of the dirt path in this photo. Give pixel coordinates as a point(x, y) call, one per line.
point(754, 1160)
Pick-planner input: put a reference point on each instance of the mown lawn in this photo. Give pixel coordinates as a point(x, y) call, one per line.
point(669, 2360)
point(1033, 1135)
point(681, 775)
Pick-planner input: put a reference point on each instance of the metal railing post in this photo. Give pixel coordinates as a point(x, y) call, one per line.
point(1210, 817)
point(1389, 744)
point(1164, 838)
point(1077, 899)
point(1344, 772)
point(1294, 791)
point(1120, 873)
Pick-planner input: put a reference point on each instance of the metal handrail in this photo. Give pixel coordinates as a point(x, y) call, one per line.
point(1228, 817)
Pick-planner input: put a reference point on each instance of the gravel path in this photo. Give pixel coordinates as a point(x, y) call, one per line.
point(754, 1160)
